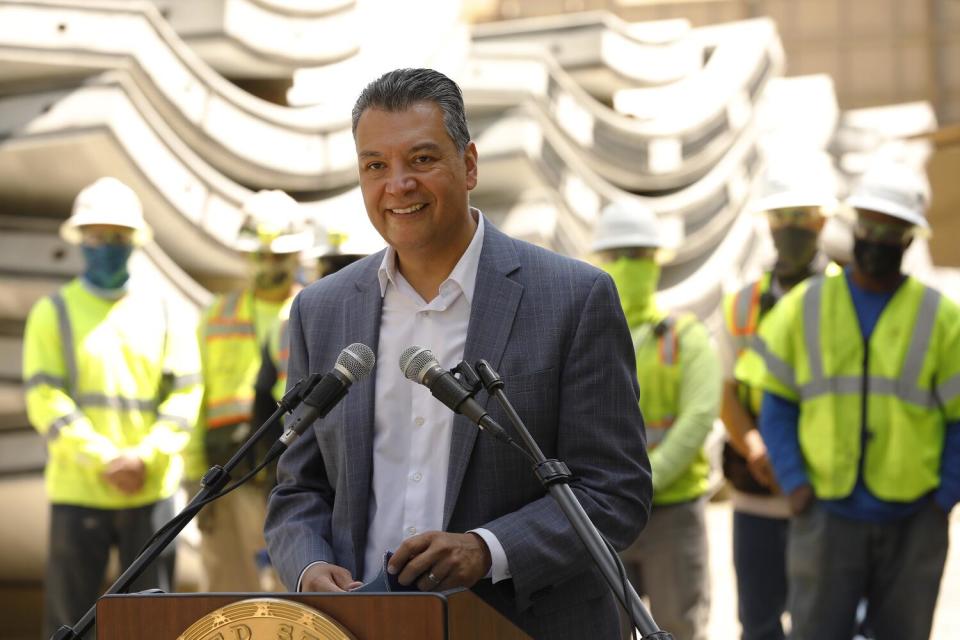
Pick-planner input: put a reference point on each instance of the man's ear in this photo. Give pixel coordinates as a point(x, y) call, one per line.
point(471, 162)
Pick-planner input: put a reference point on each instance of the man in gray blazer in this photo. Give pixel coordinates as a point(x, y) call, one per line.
point(391, 469)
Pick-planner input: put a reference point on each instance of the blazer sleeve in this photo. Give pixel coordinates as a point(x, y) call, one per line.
point(300, 508)
point(601, 437)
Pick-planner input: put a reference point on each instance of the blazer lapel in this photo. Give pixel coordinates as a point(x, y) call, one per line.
point(495, 301)
point(361, 323)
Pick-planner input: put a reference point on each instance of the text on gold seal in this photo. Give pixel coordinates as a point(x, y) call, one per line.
point(265, 619)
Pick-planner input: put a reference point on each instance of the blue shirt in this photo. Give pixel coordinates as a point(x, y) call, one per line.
point(779, 418)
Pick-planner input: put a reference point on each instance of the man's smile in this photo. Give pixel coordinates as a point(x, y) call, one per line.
point(408, 210)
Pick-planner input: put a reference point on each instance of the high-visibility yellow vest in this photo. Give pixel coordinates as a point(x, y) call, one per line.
point(742, 312)
point(105, 377)
point(231, 358)
point(230, 349)
point(902, 388)
point(659, 370)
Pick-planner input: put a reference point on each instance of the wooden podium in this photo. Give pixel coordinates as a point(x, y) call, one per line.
point(455, 615)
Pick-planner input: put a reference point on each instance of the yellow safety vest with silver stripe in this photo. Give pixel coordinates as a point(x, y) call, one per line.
point(902, 388)
point(105, 377)
point(231, 352)
point(659, 368)
point(742, 314)
point(231, 359)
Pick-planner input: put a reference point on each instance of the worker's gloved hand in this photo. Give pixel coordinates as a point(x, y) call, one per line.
point(126, 472)
point(800, 499)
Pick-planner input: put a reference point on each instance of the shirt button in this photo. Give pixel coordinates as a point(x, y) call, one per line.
point(411, 530)
point(419, 421)
point(417, 477)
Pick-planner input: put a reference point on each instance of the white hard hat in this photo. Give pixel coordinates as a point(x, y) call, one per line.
point(626, 224)
point(106, 201)
point(895, 189)
point(275, 224)
point(792, 181)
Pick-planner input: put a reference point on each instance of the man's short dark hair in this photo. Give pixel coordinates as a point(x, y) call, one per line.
point(400, 89)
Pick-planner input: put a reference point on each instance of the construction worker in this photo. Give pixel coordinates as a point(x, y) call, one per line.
point(331, 251)
point(112, 383)
point(796, 198)
point(861, 417)
point(231, 333)
point(679, 375)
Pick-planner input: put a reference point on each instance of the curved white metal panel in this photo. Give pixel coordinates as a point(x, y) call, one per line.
point(255, 142)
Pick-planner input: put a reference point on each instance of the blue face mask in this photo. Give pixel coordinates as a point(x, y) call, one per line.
point(107, 265)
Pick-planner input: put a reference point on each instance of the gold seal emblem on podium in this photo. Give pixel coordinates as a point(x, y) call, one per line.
point(265, 619)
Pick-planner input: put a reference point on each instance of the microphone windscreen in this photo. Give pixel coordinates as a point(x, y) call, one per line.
point(357, 360)
point(415, 360)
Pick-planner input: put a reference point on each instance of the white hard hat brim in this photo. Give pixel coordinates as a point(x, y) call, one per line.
point(291, 243)
point(882, 205)
point(71, 232)
point(627, 241)
point(795, 200)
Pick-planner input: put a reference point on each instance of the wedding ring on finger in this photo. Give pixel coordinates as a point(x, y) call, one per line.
point(434, 579)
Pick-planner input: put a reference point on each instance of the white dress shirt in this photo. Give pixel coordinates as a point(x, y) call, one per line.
point(412, 429)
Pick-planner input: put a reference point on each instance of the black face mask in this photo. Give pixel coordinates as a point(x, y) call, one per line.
point(878, 260)
point(796, 249)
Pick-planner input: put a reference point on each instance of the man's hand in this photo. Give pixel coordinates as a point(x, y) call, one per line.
point(800, 499)
point(438, 561)
point(758, 461)
point(126, 472)
point(327, 578)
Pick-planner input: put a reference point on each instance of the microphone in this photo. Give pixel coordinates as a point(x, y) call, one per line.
point(420, 365)
point(354, 363)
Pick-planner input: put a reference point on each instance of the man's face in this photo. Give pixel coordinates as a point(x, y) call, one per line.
point(874, 226)
point(97, 235)
point(273, 270)
point(413, 179)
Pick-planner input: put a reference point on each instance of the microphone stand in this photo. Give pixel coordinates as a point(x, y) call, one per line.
point(212, 484)
point(555, 476)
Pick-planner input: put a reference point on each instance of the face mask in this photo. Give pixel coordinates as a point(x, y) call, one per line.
point(107, 265)
point(272, 276)
point(636, 282)
point(796, 249)
point(879, 260)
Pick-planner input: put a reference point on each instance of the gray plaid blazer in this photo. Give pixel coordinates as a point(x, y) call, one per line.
point(554, 329)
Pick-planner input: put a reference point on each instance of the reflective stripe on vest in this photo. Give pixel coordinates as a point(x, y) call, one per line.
point(231, 348)
point(949, 390)
point(95, 400)
point(904, 387)
point(870, 409)
point(226, 324)
point(62, 422)
point(657, 431)
point(66, 340)
point(746, 310)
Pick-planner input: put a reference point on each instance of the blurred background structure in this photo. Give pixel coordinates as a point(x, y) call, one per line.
point(573, 104)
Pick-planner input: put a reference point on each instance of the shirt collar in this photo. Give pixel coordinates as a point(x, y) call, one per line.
point(463, 276)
